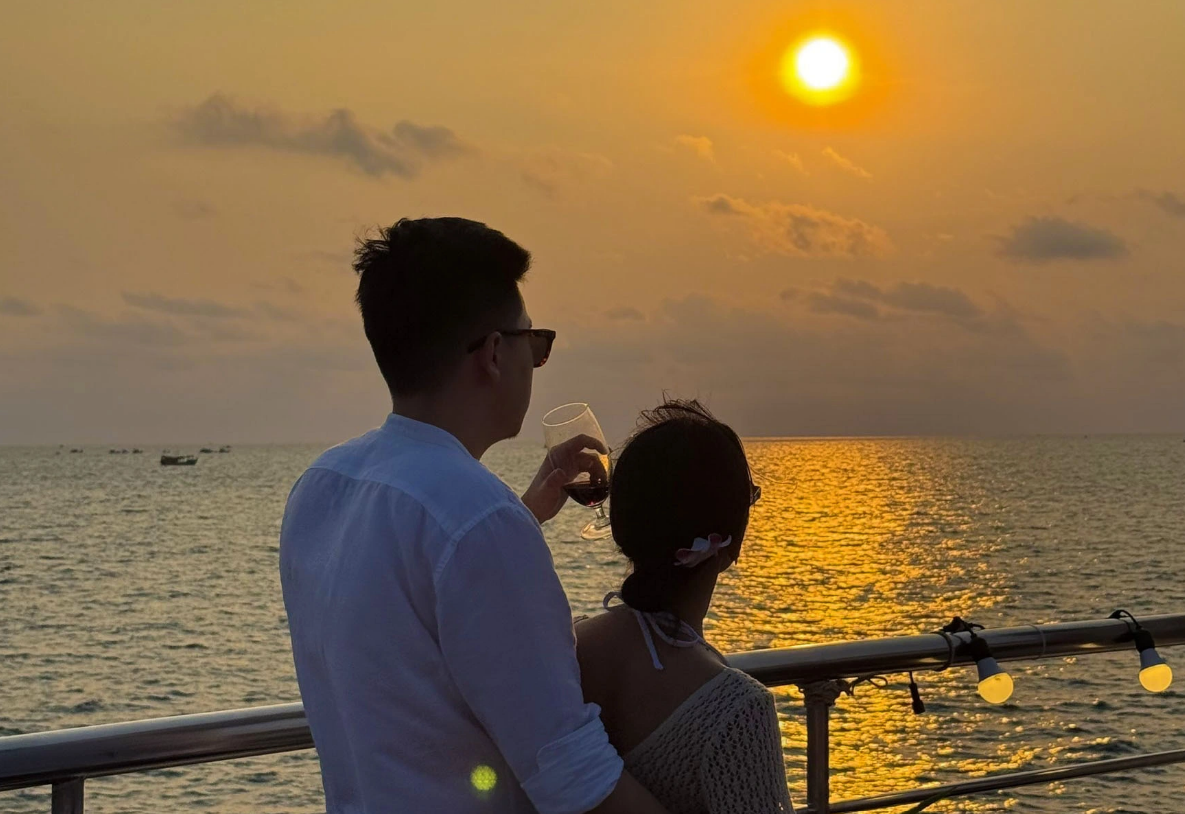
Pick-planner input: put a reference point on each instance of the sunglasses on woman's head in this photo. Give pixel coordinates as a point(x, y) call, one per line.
point(541, 340)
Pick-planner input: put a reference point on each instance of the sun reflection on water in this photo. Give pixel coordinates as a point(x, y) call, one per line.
point(853, 540)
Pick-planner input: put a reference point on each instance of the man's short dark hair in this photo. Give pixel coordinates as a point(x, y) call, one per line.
point(427, 288)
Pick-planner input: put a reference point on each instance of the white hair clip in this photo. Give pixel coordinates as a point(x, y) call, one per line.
point(702, 549)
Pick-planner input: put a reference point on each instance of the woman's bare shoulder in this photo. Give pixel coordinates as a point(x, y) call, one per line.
point(601, 631)
point(600, 653)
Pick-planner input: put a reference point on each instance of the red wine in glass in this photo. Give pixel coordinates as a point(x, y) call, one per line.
point(587, 493)
point(560, 425)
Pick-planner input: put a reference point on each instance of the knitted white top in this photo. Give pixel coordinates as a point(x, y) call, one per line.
point(719, 752)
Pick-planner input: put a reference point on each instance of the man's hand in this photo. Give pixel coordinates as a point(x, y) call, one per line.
point(545, 496)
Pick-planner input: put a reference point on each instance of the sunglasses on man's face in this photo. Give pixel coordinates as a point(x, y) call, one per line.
point(541, 340)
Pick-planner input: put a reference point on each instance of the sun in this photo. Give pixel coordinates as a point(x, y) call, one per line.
point(820, 70)
point(821, 63)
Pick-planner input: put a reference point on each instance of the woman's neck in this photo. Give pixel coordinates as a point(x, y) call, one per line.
point(692, 603)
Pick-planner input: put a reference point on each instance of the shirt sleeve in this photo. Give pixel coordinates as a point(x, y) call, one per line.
point(743, 770)
point(505, 630)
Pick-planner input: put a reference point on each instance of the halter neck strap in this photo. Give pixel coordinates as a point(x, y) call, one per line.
point(659, 623)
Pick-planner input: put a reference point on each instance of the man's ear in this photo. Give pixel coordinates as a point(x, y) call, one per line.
point(489, 356)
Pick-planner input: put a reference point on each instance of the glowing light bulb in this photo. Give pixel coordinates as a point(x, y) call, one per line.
point(1156, 678)
point(995, 685)
point(1155, 674)
point(996, 688)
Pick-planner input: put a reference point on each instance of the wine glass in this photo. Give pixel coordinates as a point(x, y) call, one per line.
point(569, 421)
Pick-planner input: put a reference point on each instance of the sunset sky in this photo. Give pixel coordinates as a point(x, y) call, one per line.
point(986, 237)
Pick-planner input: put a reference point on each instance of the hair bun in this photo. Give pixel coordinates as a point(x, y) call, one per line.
point(650, 589)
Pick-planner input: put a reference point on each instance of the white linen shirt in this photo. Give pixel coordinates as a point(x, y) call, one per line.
point(432, 639)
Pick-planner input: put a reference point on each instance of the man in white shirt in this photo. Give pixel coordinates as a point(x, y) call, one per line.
point(433, 642)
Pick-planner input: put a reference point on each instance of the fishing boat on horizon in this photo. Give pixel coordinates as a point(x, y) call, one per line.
point(177, 460)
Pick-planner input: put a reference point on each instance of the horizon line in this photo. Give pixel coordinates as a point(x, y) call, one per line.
point(800, 437)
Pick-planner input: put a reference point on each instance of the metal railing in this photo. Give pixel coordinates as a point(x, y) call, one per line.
point(66, 758)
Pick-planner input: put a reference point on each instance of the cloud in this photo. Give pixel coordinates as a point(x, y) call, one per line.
point(11, 306)
point(193, 210)
point(131, 330)
point(766, 371)
point(288, 285)
point(1161, 343)
point(434, 141)
point(793, 159)
point(866, 301)
point(1167, 202)
point(553, 170)
point(1043, 239)
point(700, 145)
point(846, 164)
point(219, 330)
point(146, 380)
point(283, 285)
point(801, 230)
point(821, 303)
point(624, 312)
point(222, 122)
point(918, 297)
point(724, 205)
point(770, 373)
point(275, 312)
point(181, 307)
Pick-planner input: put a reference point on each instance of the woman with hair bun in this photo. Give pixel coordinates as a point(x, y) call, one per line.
point(701, 736)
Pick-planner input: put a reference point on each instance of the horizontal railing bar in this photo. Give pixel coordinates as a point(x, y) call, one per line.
point(822, 662)
point(94, 751)
point(40, 758)
point(1009, 780)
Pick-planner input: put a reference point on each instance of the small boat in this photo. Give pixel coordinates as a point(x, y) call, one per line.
point(177, 460)
point(137, 451)
point(75, 450)
point(224, 449)
point(206, 450)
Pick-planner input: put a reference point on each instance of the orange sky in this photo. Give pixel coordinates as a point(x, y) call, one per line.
point(986, 238)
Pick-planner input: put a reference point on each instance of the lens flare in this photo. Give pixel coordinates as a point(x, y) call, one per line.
point(484, 778)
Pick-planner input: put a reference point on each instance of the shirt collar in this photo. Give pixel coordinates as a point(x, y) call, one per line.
point(421, 431)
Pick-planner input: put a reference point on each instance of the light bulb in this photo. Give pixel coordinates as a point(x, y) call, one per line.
point(995, 685)
point(1155, 675)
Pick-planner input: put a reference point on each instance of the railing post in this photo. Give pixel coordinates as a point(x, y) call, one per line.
point(819, 697)
point(67, 796)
